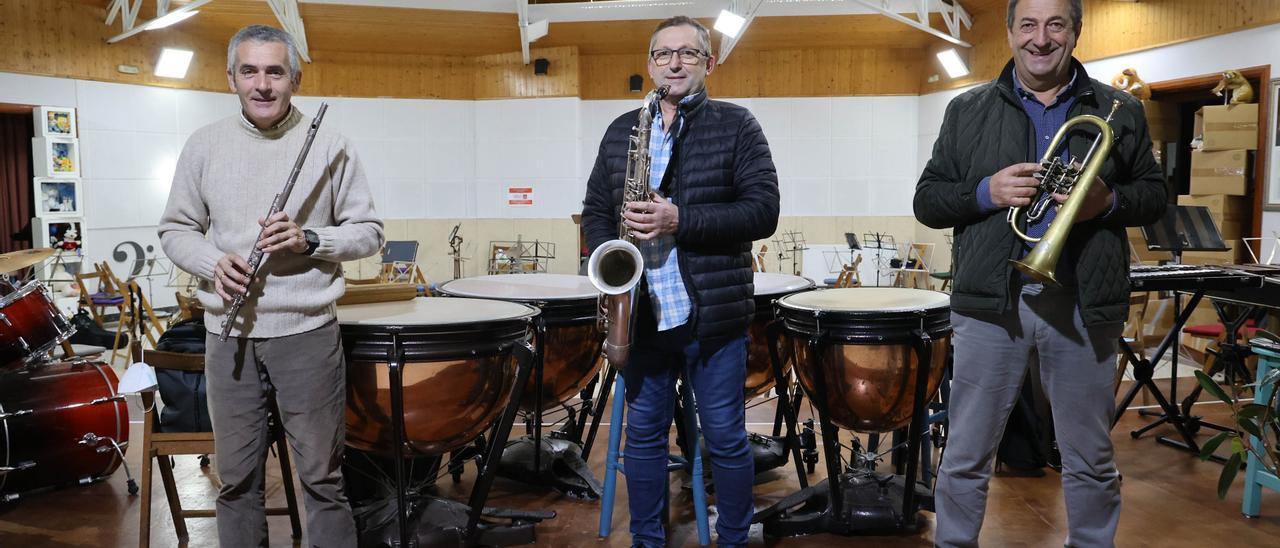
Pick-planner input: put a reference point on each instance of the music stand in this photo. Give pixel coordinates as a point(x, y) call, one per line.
point(1182, 228)
point(879, 241)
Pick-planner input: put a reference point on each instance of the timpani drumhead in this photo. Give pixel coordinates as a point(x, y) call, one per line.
point(523, 287)
point(868, 300)
point(429, 312)
point(770, 283)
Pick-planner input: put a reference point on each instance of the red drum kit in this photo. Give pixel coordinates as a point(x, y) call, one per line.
point(61, 422)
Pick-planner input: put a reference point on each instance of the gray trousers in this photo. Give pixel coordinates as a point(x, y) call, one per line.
point(308, 374)
point(1077, 364)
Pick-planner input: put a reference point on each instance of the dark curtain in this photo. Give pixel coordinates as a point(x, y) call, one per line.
point(16, 131)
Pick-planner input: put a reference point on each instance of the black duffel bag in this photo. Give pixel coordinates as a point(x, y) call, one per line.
point(186, 404)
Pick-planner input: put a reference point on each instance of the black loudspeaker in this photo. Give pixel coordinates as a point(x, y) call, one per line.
point(540, 66)
point(637, 83)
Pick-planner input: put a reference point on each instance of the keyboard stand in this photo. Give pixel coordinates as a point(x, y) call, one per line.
point(1143, 373)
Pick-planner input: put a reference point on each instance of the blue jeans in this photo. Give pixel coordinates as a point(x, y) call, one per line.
point(717, 375)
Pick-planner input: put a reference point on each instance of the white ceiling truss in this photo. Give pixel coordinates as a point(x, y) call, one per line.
point(747, 9)
point(534, 20)
point(286, 12)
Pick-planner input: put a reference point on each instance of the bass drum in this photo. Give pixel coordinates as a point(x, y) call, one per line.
point(31, 326)
point(458, 371)
point(867, 363)
point(45, 414)
point(568, 304)
point(769, 287)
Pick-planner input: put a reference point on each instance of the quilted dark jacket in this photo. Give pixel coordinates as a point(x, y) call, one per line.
point(986, 130)
point(722, 178)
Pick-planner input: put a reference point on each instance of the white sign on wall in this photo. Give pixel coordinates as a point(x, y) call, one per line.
point(519, 196)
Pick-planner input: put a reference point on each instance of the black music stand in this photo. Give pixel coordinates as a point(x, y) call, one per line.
point(1182, 228)
point(879, 241)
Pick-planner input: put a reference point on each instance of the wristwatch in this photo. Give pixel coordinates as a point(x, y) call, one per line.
point(313, 241)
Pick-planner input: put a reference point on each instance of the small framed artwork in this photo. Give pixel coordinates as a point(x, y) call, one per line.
point(55, 121)
point(58, 197)
point(56, 156)
point(65, 235)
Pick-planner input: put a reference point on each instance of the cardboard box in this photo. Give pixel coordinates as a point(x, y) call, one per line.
point(1227, 127)
point(1224, 207)
point(1162, 120)
point(1216, 257)
point(1220, 172)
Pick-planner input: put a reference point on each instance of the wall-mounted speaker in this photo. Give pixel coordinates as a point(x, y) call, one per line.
point(540, 66)
point(637, 83)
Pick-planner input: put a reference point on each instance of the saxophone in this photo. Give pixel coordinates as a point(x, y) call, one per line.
point(615, 267)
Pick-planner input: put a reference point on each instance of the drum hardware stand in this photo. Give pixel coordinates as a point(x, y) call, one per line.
point(474, 532)
point(523, 459)
point(92, 440)
point(859, 501)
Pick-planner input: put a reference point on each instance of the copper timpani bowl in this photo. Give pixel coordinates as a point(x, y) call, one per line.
point(571, 353)
point(867, 363)
point(769, 287)
point(458, 371)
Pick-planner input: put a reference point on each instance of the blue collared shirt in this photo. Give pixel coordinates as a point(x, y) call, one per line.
point(670, 299)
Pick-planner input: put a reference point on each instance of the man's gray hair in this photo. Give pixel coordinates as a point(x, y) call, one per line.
point(1077, 14)
point(704, 36)
point(264, 33)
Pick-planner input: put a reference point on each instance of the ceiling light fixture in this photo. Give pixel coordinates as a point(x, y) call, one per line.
point(174, 63)
point(951, 61)
point(729, 23)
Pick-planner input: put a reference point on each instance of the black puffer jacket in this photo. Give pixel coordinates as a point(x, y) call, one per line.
point(986, 130)
point(722, 178)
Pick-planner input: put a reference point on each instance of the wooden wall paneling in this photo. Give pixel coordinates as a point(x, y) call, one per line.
point(505, 75)
point(350, 74)
point(1112, 28)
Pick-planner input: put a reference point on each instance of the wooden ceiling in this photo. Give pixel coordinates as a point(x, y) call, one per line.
point(344, 28)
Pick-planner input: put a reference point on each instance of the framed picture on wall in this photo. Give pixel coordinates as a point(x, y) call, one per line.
point(64, 234)
point(58, 197)
point(56, 156)
point(55, 121)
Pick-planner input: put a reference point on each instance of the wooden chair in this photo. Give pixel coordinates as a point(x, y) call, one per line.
point(105, 295)
point(915, 274)
point(849, 274)
point(757, 263)
point(141, 312)
point(157, 447)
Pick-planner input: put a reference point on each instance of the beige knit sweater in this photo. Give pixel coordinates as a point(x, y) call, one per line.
point(226, 179)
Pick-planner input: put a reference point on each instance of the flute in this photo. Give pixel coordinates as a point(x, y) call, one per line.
point(255, 257)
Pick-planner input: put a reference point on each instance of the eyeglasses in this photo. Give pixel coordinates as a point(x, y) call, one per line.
point(688, 56)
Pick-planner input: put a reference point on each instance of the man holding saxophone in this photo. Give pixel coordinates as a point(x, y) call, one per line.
point(981, 167)
point(715, 191)
point(286, 338)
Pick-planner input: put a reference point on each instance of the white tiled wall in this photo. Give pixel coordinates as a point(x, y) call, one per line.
point(440, 159)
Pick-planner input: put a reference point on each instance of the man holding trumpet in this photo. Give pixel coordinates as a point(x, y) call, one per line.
point(980, 168)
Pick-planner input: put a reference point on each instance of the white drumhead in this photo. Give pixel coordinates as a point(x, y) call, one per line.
point(867, 299)
point(431, 311)
point(523, 287)
point(770, 283)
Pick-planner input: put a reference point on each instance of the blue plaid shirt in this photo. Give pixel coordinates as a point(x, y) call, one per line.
point(670, 299)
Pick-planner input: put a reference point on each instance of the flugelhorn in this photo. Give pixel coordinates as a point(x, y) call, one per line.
point(1058, 178)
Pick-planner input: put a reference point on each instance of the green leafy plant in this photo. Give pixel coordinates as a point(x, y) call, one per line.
point(1255, 420)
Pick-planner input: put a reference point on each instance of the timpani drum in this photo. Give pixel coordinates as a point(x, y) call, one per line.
point(769, 287)
point(867, 339)
point(51, 417)
point(458, 371)
point(572, 342)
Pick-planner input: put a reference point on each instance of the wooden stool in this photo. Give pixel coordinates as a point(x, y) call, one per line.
point(1256, 475)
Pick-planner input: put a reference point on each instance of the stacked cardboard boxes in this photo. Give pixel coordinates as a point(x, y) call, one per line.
point(1221, 175)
